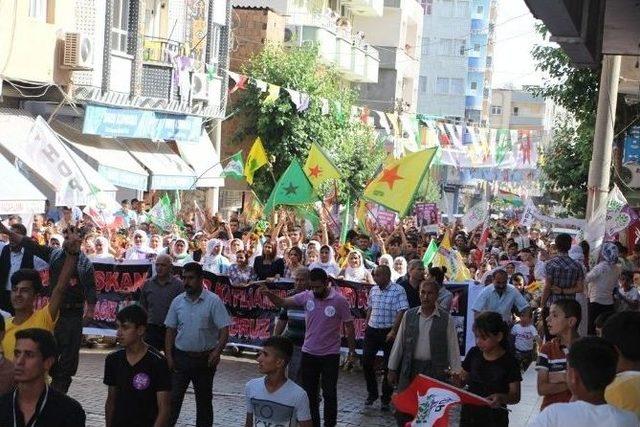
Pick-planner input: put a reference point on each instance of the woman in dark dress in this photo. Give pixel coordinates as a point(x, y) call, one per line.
point(268, 264)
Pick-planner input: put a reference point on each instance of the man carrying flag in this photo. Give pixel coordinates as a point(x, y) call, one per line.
point(255, 160)
point(426, 343)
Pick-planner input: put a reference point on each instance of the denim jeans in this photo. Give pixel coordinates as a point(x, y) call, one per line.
point(321, 370)
point(192, 369)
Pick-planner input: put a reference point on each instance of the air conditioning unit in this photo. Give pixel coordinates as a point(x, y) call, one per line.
point(199, 87)
point(630, 175)
point(78, 52)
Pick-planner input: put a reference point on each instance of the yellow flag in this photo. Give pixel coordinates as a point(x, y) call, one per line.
point(397, 183)
point(273, 92)
point(451, 259)
point(318, 167)
point(255, 160)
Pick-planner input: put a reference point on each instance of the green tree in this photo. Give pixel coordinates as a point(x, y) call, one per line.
point(565, 164)
point(287, 134)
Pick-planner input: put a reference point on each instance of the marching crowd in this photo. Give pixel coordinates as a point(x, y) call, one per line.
point(542, 301)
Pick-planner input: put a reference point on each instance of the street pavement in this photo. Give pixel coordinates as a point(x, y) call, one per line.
point(228, 395)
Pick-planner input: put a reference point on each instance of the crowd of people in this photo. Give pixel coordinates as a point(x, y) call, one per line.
point(541, 301)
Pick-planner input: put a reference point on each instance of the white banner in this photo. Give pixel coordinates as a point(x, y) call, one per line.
point(532, 213)
point(476, 216)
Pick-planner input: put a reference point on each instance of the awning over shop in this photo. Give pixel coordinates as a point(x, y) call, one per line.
point(204, 159)
point(61, 172)
point(18, 195)
point(168, 170)
point(109, 156)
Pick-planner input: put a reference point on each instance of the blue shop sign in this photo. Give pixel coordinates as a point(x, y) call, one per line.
point(129, 123)
point(632, 145)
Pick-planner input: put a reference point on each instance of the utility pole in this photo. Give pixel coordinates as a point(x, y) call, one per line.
point(600, 166)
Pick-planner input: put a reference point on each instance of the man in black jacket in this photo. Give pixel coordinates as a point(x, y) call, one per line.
point(68, 331)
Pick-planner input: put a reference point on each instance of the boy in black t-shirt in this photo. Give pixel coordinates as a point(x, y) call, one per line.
point(138, 376)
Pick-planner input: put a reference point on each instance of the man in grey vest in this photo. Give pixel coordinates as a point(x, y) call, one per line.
point(426, 343)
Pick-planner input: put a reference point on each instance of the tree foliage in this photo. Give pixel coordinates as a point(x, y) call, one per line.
point(287, 134)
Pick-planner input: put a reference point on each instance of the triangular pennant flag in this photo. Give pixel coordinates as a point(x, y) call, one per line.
point(293, 187)
point(255, 160)
point(318, 167)
point(273, 92)
point(234, 168)
point(299, 99)
point(396, 185)
point(261, 85)
point(430, 253)
point(240, 81)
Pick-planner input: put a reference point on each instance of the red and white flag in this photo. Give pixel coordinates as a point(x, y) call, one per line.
point(482, 243)
point(434, 403)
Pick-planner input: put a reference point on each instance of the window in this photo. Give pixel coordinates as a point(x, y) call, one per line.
point(445, 8)
point(442, 86)
point(425, 46)
point(462, 9)
point(38, 10)
point(516, 110)
point(422, 85)
point(480, 10)
point(474, 85)
point(450, 47)
point(457, 87)
point(476, 47)
point(496, 110)
point(120, 25)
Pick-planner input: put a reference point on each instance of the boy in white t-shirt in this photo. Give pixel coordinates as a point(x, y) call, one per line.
point(591, 366)
point(275, 400)
point(525, 335)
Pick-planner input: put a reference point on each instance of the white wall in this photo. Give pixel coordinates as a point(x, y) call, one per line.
point(120, 73)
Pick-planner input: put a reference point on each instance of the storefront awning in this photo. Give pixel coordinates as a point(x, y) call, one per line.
point(62, 174)
point(204, 159)
point(109, 156)
point(167, 169)
point(18, 195)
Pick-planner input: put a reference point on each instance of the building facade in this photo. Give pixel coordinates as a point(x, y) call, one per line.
point(145, 77)
point(457, 57)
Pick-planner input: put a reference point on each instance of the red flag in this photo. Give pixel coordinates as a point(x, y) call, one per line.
point(407, 400)
point(241, 83)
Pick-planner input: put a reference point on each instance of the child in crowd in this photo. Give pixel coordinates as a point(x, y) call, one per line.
point(138, 377)
point(525, 336)
point(591, 367)
point(490, 371)
point(563, 320)
point(623, 331)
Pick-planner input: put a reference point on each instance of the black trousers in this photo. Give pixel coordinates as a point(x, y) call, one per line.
point(68, 333)
point(321, 370)
point(595, 310)
point(155, 336)
point(190, 369)
point(375, 340)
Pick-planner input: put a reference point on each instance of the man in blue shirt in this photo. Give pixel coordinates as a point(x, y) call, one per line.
point(501, 298)
point(197, 332)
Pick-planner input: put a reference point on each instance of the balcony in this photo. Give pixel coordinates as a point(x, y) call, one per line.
point(343, 51)
point(159, 50)
point(316, 30)
point(371, 8)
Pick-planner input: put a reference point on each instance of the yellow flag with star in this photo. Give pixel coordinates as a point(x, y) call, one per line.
point(452, 260)
point(397, 183)
point(318, 167)
point(255, 160)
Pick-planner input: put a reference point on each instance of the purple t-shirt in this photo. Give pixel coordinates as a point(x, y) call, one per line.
point(324, 319)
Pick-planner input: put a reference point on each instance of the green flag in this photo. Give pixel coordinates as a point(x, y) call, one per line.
point(345, 223)
point(235, 168)
point(161, 214)
point(430, 253)
point(293, 188)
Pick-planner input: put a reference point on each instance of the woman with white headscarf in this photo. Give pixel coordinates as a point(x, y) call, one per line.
point(355, 270)
point(601, 281)
point(140, 250)
point(326, 262)
point(102, 250)
point(399, 269)
point(179, 252)
point(214, 261)
point(56, 241)
point(577, 254)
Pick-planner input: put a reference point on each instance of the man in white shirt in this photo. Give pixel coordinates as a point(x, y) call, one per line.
point(591, 366)
point(275, 400)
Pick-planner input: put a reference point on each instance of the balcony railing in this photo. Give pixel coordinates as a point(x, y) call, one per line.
point(156, 49)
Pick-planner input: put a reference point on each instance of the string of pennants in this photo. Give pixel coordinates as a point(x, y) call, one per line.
point(473, 151)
